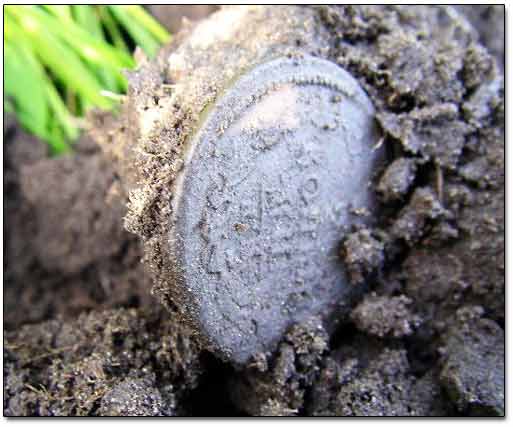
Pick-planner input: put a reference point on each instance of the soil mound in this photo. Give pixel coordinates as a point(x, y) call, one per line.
point(425, 336)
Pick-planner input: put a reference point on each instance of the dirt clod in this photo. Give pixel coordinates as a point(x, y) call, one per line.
point(281, 390)
point(123, 362)
point(78, 234)
point(362, 254)
point(473, 372)
point(397, 179)
point(373, 383)
point(134, 398)
point(385, 316)
point(413, 220)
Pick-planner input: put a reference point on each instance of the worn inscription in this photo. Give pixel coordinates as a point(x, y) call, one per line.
point(277, 166)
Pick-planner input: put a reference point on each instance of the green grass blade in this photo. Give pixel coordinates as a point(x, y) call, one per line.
point(142, 37)
point(65, 65)
point(147, 21)
point(61, 113)
point(30, 80)
point(87, 18)
point(61, 60)
point(91, 49)
point(112, 29)
point(8, 106)
point(62, 11)
point(56, 51)
point(24, 83)
point(57, 140)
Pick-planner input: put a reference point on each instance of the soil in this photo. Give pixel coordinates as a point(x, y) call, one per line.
point(426, 335)
point(173, 16)
point(65, 247)
point(489, 22)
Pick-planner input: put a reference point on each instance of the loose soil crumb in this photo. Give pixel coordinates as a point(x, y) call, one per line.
point(280, 390)
point(136, 398)
point(473, 370)
point(369, 379)
point(121, 362)
point(362, 254)
point(489, 22)
point(397, 179)
point(385, 316)
point(414, 219)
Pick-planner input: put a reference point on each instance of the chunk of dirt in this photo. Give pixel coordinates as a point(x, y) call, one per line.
point(121, 362)
point(489, 22)
point(385, 316)
point(373, 381)
point(362, 254)
point(473, 372)
point(173, 17)
point(280, 389)
point(434, 132)
point(135, 398)
point(397, 180)
point(414, 219)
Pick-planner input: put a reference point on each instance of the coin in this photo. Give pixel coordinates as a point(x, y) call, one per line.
point(270, 180)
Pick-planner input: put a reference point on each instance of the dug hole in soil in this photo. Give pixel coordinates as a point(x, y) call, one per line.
point(423, 334)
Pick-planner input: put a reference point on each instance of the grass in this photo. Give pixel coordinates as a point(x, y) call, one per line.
point(61, 60)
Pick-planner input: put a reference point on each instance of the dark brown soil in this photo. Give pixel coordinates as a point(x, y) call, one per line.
point(489, 22)
point(173, 16)
point(65, 248)
point(118, 362)
point(427, 336)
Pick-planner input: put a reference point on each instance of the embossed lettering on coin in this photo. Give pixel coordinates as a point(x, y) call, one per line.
point(269, 181)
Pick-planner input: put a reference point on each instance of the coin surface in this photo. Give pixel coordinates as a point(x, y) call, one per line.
point(270, 183)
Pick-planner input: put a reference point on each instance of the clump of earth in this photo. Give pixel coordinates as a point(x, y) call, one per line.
point(425, 336)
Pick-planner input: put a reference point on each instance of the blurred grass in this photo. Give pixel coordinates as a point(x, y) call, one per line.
point(61, 60)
